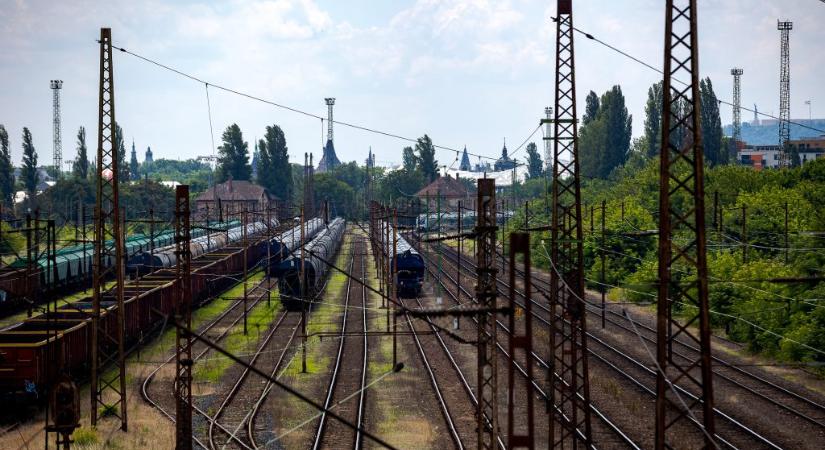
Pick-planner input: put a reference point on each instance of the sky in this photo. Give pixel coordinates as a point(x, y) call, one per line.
point(466, 72)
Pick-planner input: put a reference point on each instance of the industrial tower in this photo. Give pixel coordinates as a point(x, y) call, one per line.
point(56, 86)
point(328, 158)
point(737, 104)
point(784, 28)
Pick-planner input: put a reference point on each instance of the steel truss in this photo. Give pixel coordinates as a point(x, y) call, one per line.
point(568, 377)
point(682, 245)
point(108, 389)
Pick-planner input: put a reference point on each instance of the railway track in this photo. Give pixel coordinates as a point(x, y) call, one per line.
point(348, 375)
point(806, 411)
point(164, 400)
point(536, 388)
point(629, 367)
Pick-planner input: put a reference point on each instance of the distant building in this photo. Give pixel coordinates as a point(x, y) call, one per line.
point(767, 156)
point(808, 149)
point(148, 158)
point(465, 161)
point(236, 196)
point(504, 163)
point(329, 160)
point(450, 190)
point(759, 156)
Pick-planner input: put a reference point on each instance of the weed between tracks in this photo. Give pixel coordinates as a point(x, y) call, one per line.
point(259, 320)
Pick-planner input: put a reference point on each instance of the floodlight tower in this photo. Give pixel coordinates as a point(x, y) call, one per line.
point(330, 103)
point(56, 86)
point(737, 104)
point(784, 28)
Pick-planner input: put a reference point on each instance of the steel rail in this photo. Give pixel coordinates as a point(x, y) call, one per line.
point(333, 380)
point(149, 378)
point(650, 371)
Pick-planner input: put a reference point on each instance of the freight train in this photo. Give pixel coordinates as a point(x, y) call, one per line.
point(281, 247)
point(73, 267)
point(411, 268)
point(322, 248)
point(148, 260)
point(25, 364)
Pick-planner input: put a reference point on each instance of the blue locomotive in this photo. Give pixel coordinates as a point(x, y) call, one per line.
point(411, 267)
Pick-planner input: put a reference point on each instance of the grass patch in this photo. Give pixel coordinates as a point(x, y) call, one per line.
point(85, 436)
point(259, 320)
point(204, 314)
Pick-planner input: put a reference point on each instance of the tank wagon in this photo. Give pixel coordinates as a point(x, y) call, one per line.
point(73, 267)
point(282, 246)
point(66, 333)
point(411, 268)
point(325, 245)
point(146, 261)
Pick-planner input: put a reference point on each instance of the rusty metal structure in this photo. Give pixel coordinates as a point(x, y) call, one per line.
point(737, 104)
point(521, 340)
point(569, 379)
point(487, 370)
point(183, 315)
point(682, 244)
point(784, 27)
point(108, 390)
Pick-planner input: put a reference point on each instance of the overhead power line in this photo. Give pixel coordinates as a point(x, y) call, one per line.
point(658, 70)
point(287, 107)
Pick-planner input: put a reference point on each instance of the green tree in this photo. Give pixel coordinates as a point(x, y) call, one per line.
point(711, 125)
point(604, 143)
point(80, 167)
point(535, 167)
point(653, 120)
point(120, 145)
point(410, 161)
point(233, 159)
point(591, 109)
point(29, 170)
point(6, 168)
point(274, 170)
point(426, 158)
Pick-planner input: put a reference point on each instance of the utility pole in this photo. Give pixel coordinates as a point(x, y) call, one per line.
point(56, 86)
point(108, 390)
point(523, 341)
point(487, 370)
point(570, 394)
point(784, 28)
point(245, 269)
point(681, 176)
point(737, 104)
point(183, 313)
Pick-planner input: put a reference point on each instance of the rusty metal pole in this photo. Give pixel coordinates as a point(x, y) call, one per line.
point(386, 251)
point(487, 367)
point(394, 286)
point(269, 235)
point(29, 264)
point(744, 234)
point(303, 287)
point(244, 219)
point(681, 176)
point(602, 275)
point(183, 313)
point(107, 390)
point(570, 392)
point(787, 246)
point(520, 340)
